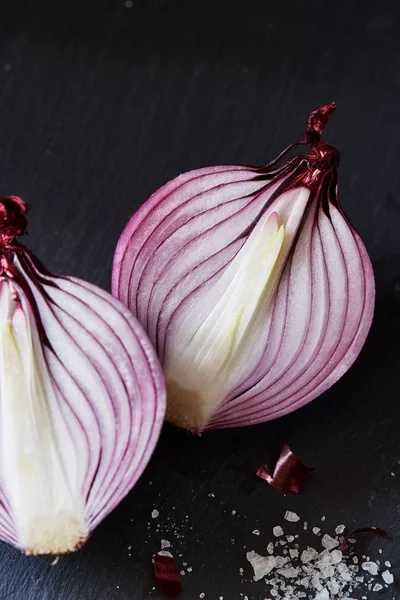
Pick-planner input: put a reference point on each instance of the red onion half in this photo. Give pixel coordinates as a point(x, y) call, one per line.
point(82, 399)
point(252, 284)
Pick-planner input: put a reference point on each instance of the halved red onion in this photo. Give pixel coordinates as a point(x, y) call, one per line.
point(82, 400)
point(252, 284)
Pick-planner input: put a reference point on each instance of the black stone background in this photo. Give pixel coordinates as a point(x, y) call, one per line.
point(100, 104)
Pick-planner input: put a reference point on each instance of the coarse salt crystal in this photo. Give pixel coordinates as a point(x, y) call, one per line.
point(340, 529)
point(336, 557)
point(387, 577)
point(293, 553)
point(327, 571)
point(289, 572)
point(290, 538)
point(270, 548)
point(388, 563)
point(377, 587)
point(333, 587)
point(323, 518)
point(165, 553)
point(202, 595)
point(165, 544)
point(322, 595)
point(262, 565)
point(280, 561)
point(155, 514)
point(371, 567)
point(292, 517)
point(305, 525)
point(256, 532)
point(277, 531)
point(316, 530)
point(328, 542)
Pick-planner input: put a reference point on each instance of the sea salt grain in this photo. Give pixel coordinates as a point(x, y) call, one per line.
point(328, 542)
point(289, 573)
point(292, 517)
point(340, 529)
point(316, 530)
point(256, 532)
point(270, 548)
point(165, 544)
point(322, 595)
point(371, 567)
point(388, 563)
point(387, 577)
point(277, 531)
point(155, 514)
point(262, 565)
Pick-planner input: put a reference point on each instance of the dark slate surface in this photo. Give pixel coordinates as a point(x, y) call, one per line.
point(99, 105)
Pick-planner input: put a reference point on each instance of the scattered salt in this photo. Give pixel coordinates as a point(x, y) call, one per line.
point(328, 542)
point(290, 538)
point(292, 517)
point(371, 567)
point(325, 573)
point(234, 512)
point(256, 532)
point(340, 529)
point(387, 577)
point(290, 572)
point(155, 514)
point(322, 595)
point(323, 518)
point(305, 525)
point(262, 565)
point(388, 563)
point(277, 531)
point(202, 595)
point(165, 544)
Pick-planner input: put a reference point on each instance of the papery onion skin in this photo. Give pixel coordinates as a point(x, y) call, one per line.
point(179, 254)
point(81, 416)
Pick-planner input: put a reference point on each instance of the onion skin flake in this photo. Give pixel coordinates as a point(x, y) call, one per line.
point(252, 284)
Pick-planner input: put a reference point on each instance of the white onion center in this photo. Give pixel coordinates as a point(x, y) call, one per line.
point(208, 355)
point(41, 491)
